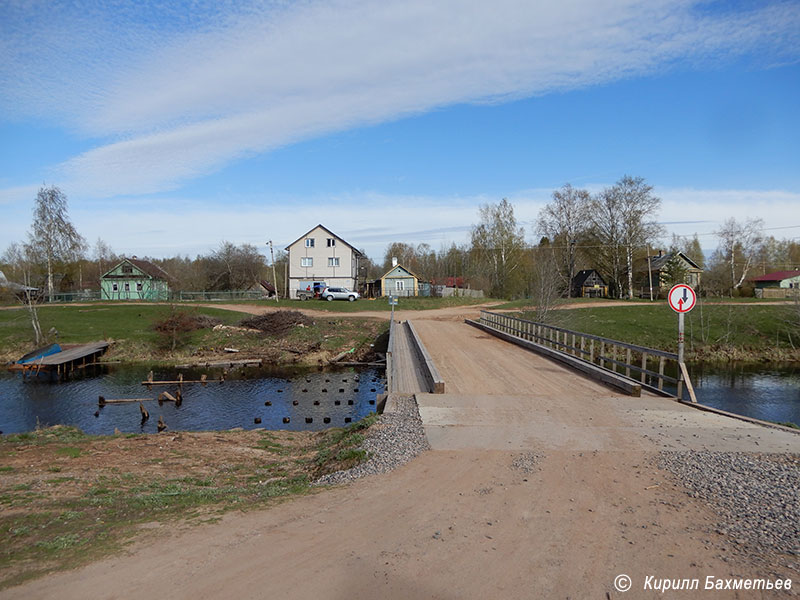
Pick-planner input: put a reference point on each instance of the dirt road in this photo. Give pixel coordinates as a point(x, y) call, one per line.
point(541, 484)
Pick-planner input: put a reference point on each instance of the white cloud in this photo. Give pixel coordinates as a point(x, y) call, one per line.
point(178, 97)
point(166, 227)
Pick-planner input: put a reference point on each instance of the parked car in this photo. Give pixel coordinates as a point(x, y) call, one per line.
point(336, 293)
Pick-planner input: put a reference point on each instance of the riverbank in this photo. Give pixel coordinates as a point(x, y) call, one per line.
point(168, 335)
point(69, 498)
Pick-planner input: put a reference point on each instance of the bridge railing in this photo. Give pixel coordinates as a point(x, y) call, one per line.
point(653, 367)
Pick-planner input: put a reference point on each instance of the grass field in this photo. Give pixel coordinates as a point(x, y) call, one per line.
point(131, 327)
point(741, 329)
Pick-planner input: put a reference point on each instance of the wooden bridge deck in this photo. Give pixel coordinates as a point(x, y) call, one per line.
point(407, 375)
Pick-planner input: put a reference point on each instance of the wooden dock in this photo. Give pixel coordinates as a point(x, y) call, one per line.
point(68, 359)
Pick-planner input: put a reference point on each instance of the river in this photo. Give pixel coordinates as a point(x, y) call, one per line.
point(339, 396)
point(770, 392)
point(767, 392)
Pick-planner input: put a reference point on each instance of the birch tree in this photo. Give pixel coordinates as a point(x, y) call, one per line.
point(740, 244)
point(564, 222)
point(53, 238)
point(498, 243)
point(623, 218)
point(21, 257)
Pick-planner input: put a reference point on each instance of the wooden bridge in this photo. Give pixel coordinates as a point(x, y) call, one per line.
point(411, 368)
point(497, 382)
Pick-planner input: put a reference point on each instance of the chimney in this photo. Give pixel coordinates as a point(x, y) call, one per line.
point(394, 261)
point(660, 253)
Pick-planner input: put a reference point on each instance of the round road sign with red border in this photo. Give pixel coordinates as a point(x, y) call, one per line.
point(682, 298)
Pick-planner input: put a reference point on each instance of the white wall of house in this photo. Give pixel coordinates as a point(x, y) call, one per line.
point(321, 256)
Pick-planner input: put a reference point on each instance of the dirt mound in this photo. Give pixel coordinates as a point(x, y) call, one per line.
point(278, 322)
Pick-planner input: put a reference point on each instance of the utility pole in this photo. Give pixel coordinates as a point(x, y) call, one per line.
point(274, 279)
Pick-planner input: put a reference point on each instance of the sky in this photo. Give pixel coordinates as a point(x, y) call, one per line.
point(174, 126)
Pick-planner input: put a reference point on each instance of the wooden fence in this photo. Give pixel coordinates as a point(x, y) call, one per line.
point(652, 367)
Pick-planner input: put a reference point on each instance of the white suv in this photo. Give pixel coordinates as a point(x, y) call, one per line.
point(336, 293)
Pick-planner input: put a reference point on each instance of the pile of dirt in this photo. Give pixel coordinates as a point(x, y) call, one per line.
point(277, 323)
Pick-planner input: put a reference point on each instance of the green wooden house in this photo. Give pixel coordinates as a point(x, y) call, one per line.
point(135, 279)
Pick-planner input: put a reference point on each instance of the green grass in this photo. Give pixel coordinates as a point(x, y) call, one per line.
point(82, 324)
point(749, 328)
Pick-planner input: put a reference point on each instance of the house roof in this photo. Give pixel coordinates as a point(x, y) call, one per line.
point(145, 266)
point(777, 276)
point(581, 276)
point(11, 285)
point(658, 262)
point(399, 266)
point(353, 248)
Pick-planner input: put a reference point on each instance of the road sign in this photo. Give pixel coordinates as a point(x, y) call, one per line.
point(682, 298)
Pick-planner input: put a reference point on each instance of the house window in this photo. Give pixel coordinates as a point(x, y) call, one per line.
point(333, 262)
point(331, 242)
point(139, 287)
point(309, 242)
point(114, 287)
point(127, 287)
point(398, 285)
point(127, 269)
point(307, 261)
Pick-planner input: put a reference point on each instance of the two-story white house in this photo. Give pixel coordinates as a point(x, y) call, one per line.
point(321, 258)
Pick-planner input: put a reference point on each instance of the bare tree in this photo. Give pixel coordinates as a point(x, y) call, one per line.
point(623, 219)
point(545, 290)
point(498, 244)
point(234, 267)
point(21, 257)
point(740, 245)
point(53, 237)
point(564, 222)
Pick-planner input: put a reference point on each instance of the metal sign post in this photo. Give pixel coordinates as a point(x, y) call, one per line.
point(682, 299)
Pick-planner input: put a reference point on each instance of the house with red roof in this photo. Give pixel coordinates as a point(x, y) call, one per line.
point(780, 284)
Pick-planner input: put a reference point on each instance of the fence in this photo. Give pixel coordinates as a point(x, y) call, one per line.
point(619, 357)
point(218, 296)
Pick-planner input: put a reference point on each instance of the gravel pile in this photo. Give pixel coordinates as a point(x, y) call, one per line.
point(393, 441)
point(757, 496)
point(527, 462)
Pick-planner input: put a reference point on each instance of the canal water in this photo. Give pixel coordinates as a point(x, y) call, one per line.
point(340, 397)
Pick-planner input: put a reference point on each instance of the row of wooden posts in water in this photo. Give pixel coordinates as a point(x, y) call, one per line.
point(177, 398)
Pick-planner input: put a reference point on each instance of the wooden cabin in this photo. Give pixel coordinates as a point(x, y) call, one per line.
point(135, 279)
point(589, 284)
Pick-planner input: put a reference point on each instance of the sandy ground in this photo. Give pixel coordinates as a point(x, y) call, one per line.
point(584, 503)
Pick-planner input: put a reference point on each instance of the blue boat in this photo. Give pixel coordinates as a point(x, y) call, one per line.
point(39, 353)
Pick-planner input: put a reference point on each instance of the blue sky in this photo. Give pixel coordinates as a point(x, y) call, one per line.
point(172, 127)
